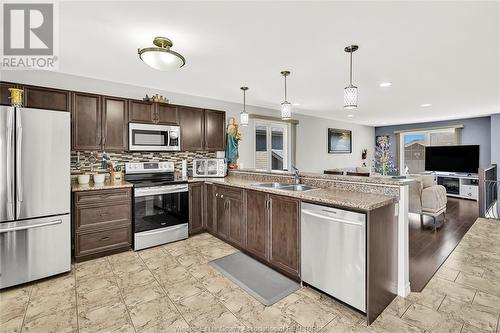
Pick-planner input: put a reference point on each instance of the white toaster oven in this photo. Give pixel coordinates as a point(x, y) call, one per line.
point(209, 167)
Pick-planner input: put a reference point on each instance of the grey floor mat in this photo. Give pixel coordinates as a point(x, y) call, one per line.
point(263, 283)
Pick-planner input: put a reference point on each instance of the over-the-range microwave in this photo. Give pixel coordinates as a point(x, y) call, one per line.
point(150, 137)
point(209, 167)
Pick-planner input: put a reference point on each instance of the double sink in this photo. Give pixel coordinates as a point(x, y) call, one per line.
point(286, 187)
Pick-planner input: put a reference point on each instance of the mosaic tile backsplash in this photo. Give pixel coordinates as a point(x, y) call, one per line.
point(120, 158)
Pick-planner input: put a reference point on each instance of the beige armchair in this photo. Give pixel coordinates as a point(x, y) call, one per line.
point(427, 199)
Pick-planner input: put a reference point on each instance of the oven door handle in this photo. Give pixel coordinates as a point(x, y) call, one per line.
point(161, 230)
point(142, 192)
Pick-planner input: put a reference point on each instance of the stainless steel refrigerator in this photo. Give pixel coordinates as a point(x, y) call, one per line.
point(35, 190)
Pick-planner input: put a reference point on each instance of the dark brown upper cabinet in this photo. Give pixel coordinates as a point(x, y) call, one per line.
point(284, 233)
point(114, 124)
point(215, 128)
point(141, 111)
point(4, 92)
point(202, 129)
point(86, 121)
point(195, 208)
point(156, 113)
point(192, 123)
point(46, 98)
point(167, 114)
point(99, 122)
point(38, 97)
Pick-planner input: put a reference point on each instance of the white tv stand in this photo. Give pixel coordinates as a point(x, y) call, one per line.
point(459, 185)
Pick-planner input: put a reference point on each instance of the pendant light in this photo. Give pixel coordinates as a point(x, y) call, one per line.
point(161, 57)
point(351, 91)
point(286, 107)
point(244, 113)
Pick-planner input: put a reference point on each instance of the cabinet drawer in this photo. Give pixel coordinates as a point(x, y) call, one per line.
point(104, 240)
point(102, 196)
point(230, 192)
point(101, 216)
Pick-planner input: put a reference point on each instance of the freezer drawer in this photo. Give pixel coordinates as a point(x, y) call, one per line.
point(333, 253)
point(34, 249)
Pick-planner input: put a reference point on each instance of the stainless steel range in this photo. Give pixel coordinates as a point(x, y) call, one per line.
point(160, 204)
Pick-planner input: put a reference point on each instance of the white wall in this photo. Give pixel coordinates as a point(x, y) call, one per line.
point(312, 144)
point(311, 133)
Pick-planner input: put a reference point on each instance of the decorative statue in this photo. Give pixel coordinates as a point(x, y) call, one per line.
point(233, 137)
point(16, 96)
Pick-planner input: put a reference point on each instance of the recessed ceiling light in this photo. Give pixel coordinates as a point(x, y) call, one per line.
point(425, 105)
point(385, 84)
point(350, 116)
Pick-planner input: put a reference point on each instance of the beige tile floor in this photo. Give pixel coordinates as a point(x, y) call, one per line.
point(172, 289)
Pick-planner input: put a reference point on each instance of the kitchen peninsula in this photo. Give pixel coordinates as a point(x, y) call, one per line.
point(264, 222)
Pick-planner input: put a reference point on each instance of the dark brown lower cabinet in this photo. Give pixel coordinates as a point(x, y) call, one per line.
point(235, 218)
point(102, 222)
point(284, 231)
point(221, 225)
point(263, 225)
point(209, 202)
point(195, 208)
point(229, 212)
point(257, 224)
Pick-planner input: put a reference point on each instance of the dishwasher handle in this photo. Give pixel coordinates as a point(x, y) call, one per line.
point(330, 218)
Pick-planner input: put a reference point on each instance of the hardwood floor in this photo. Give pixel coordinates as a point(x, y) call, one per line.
point(429, 249)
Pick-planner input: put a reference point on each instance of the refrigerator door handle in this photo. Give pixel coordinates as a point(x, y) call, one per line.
point(10, 154)
point(19, 184)
point(28, 226)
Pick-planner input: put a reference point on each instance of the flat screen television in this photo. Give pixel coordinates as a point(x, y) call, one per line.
point(462, 159)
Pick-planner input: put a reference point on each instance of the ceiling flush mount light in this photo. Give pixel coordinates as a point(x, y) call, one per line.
point(351, 91)
point(244, 113)
point(385, 84)
point(425, 105)
point(286, 107)
point(161, 57)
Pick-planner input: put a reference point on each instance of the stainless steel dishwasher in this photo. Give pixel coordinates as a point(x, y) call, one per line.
point(333, 253)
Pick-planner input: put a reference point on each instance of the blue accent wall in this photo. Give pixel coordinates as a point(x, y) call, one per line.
point(476, 131)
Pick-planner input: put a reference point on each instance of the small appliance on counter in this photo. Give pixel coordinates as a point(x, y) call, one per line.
point(209, 167)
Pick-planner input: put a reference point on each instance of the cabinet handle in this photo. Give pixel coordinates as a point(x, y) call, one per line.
point(104, 238)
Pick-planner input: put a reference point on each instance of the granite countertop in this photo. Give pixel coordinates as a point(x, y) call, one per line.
point(91, 186)
point(328, 196)
point(373, 179)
